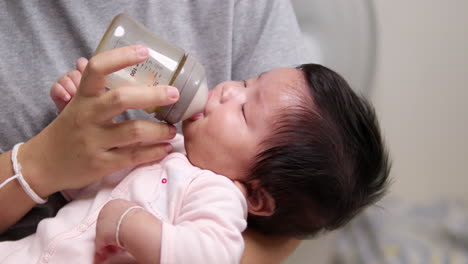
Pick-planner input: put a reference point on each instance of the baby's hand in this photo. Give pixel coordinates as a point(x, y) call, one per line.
point(106, 226)
point(63, 90)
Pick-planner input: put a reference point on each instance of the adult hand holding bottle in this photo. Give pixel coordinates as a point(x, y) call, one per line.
point(83, 144)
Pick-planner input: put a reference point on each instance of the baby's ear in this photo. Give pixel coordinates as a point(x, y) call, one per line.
point(259, 200)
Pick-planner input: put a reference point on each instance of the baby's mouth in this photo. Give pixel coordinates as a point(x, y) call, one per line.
point(196, 116)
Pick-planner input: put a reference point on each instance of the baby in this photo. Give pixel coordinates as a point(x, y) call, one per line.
point(294, 151)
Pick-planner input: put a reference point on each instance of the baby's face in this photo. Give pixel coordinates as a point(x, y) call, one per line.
point(238, 115)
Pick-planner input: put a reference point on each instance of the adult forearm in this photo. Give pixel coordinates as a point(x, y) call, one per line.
point(263, 249)
point(14, 202)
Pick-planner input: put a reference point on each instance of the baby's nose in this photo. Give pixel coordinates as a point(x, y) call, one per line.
point(230, 92)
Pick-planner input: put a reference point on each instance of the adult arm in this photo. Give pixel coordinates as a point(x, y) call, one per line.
point(83, 144)
point(263, 249)
point(14, 202)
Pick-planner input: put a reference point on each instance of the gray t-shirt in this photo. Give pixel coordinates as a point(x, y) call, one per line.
point(41, 40)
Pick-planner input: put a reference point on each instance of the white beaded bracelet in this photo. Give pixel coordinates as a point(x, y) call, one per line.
point(120, 222)
point(19, 176)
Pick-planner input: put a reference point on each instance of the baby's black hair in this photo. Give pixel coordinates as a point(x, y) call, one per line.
point(324, 162)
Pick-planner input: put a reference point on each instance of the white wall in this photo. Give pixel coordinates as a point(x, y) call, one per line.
point(421, 96)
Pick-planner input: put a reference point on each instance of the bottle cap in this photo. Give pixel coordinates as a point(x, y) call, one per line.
point(193, 93)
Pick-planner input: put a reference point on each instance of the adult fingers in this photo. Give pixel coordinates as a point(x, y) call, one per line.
point(94, 75)
point(130, 156)
point(117, 101)
point(137, 131)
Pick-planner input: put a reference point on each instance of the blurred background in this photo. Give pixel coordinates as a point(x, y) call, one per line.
point(410, 58)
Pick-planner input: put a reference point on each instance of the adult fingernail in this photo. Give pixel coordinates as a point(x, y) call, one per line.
point(172, 130)
point(141, 51)
point(172, 92)
point(168, 148)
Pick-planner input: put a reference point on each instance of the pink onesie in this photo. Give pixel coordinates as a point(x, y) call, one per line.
point(203, 215)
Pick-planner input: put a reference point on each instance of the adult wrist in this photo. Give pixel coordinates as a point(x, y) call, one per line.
point(33, 166)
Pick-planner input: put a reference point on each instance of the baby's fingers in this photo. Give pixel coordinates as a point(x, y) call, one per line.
point(81, 64)
point(70, 82)
point(99, 258)
point(100, 254)
point(59, 94)
point(103, 254)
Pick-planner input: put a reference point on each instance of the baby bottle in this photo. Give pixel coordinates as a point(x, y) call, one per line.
point(166, 65)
